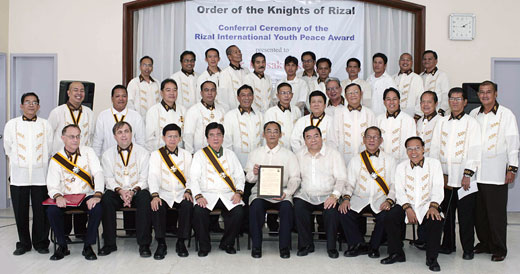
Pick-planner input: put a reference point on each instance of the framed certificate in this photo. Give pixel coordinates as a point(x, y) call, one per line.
point(270, 181)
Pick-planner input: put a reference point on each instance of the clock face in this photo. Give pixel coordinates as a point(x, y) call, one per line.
point(462, 27)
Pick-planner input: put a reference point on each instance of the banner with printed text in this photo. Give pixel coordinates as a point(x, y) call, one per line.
point(331, 29)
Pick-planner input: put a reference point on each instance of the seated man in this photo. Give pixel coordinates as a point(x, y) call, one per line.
point(73, 170)
point(217, 181)
point(323, 176)
point(419, 190)
point(167, 181)
point(125, 167)
point(272, 154)
point(369, 189)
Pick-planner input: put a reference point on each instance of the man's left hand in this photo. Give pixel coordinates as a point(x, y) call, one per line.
point(91, 203)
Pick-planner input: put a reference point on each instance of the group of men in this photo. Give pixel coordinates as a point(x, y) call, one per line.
point(400, 148)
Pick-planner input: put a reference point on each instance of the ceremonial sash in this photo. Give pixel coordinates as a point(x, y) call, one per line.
point(218, 167)
point(115, 116)
point(373, 173)
point(319, 120)
point(174, 169)
point(75, 119)
point(73, 168)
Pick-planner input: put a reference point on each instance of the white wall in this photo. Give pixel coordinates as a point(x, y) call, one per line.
point(4, 25)
point(87, 36)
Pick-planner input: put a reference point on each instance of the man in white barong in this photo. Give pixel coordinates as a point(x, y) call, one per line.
point(335, 99)
point(143, 91)
point(436, 80)
point(380, 80)
point(353, 68)
point(261, 83)
point(186, 80)
point(426, 124)
point(410, 85)
point(232, 77)
point(212, 73)
point(299, 86)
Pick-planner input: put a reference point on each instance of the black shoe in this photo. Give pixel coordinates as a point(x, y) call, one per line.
point(433, 265)
point(356, 250)
point(202, 253)
point(181, 249)
point(88, 253)
point(106, 250)
point(444, 250)
point(256, 253)
point(42, 250)
point(374, 253)
point(333, 253)
point(21, 250)
point(304, 251)
point(60, 253)
point(394, 258)
point(285, 253)
point(144, 251)
point(229, 249)
point(497, 258)
point(419, 244)
point(468, 256)
point(160, 252)
point(480, 248)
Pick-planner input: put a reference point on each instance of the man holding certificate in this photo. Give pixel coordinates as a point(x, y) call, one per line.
point(277, 174)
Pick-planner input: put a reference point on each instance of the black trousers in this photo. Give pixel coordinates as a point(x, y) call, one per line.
point(79, 221)
point(465, 213)
point(21, 196)
point(185, 210)
point(491, 218)
point(303, 215)
point(232, 223)
point(56, 220)
point(257, 220)
point(350, 223)
point(111, 202)
point(394, 224)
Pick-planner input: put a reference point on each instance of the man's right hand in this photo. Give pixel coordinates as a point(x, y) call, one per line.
point(61, 202)
point(412, 218)
point(344, 207)
point(202, 202)
point(155, 203)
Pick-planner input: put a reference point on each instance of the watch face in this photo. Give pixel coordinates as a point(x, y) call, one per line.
point(462, 27)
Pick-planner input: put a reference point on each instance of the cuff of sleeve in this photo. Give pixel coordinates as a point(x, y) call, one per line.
point(188, 191)
point(406, 206)
point(434, 205)
point(136, 189)
point(468, 172)
point(346, 197)
point(198, 196)
point(97, 194)
point(57, 195)
point(155, 194)
point(336, 193)
point(239, 192)
point(117, 189)
point(390, 201)
point(513, 169)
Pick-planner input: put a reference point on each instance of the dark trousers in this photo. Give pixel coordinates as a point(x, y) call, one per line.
point(79, 221)
point(257, 220)
point(21, 196)
point(185, 210)
point(56, 220)
point(350, 224)
point(232, 222)
point(303, 215)
point(394, 224)
point(112, 202)
point(491, 218)
point(465, 213)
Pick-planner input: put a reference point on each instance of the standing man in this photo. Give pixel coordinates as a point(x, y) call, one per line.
point(143, 91)
point(426, 124)
point(75, 169)
point(164, 113)
point(232, 77)
point(500, 143)
point(285, 115)
point(351, 122)
point(369, 188)
point(200, 115)
point(212, 73)
point(28, 144)
point(125, 167)
point(435, 80)
point(168, 181)
point(261, 83)
point(104, 136)
point(308, 63)
point(410, 85)
point(299, 86)
point(186, 80)
point(419, 191)
point(323, 66)
point(379, 81)
point(72, 113)
point(336, 100)
point(456, 142)
point(217, 181)
point(353, 68)
point(324, 175)
point(395, 125)
point(272, 154)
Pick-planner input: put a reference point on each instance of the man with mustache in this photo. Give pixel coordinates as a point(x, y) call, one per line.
point(410, 85)
point(261, 83)
point(186, 80)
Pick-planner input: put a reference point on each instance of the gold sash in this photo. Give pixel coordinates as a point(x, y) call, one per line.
point(174, 169)
point(373, 173)
point(73, 168)
point(218, 167)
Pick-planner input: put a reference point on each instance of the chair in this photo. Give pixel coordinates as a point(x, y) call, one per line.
point(74, 212)
point(215, 212)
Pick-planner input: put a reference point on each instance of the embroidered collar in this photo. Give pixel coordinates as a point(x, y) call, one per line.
point(72, 107)
point(284, 108)
point(321, 81)
point(175, 151)
point(419, 164)
point(395, 114)
point(376, 154)
point(273, 150)
point(218, 153)
point(319, 117)
point(235, 67)
point(71, 155)
point(129, 148)
point(259, 75)
point(211, 72)
point(342, 102)
point(494, 109)
point(167, 107)
point(243, 110)
point(458, 117)
point(33, 119)
point(307, 75)
point(210, 107)
point(188, 73)
point(434, 70)
point(141, 78)
point(405, 72)
point(351, 108)
point(430, 117)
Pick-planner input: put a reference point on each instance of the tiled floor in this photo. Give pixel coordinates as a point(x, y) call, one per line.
point(127, 260)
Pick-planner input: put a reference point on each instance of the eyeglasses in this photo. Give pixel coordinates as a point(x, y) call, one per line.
point(353, 92)
point(307, 61)
point(375, 138)
point(285, 92)
point(333, 88)
point(416, 148)
point(456, 99)
point(27, 103)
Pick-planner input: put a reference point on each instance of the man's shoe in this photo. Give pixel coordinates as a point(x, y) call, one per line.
point(88, 253)
point(202, 253)
point(60, 253)
point(480, 248)
point(497, 258)
point(181, 249)
point(419, 244)
point(393, 258)
point(304, 251)
point(160, 252)
point(433, 265)
point(21, 250)
point(374, 253)
point(106, 250)
point(229, 249)
point(333, 253)
point(256, 253)
point(42, 250)
point(285, 253)
point(144, 251)
point(444, 250)
point(356, 250)
point(468, 256)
